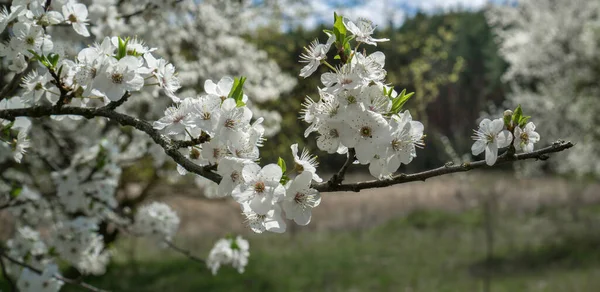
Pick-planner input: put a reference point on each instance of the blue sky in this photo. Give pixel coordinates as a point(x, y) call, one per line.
point(379, 11)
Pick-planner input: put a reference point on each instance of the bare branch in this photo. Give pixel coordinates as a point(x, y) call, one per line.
point(540, 154)
point(170, 146)
point(58, 277)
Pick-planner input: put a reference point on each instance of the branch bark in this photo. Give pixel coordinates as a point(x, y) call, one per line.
point(540, 154)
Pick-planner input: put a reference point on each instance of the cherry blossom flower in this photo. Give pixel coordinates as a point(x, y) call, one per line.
point(313, 55)
point(300, 199)
point(261, 188)
point(526, 137)
point(305, 162)
point(489, 138)
point(76, 14)
point(362, 30)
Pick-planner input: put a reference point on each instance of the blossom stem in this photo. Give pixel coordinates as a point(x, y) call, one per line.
point(324, 62)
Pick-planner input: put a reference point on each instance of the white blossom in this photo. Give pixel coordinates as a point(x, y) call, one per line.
point(490, 137)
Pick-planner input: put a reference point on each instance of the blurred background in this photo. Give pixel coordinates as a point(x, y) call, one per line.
point(532, 226)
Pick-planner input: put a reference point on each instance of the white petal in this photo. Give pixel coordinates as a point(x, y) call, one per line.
point(491, 154)
point(478, 147)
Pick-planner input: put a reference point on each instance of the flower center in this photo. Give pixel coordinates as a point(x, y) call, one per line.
point(206, 116)
point(346, 81)
point(72, 18)
point(334, 133)
point(216, 152)
point(229, 123)
point(117, 78)
point(396, 144)
point(366, 132)
point(351, 99)
point(30, 41)
point(259, 187)
point(38, 86)
point(524, 137)
point(299, 198)
point(235, 176)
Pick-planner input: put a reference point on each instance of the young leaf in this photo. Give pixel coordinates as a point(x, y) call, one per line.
point(399, 101)
point(237, 91)
point(517, 115)
point(281, 164)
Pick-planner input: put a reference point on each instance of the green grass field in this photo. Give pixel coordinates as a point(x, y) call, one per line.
point(548, 250)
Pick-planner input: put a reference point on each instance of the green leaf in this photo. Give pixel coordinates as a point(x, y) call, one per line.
point(523, 121)
point(281, 164)
point(122, 49)
point(339, 30)
point(399, 101)
point(517, 115)
point(237, 91)
point(53, 59)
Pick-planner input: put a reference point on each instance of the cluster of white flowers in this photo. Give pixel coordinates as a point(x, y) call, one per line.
point(30, 281)
point(356, 109)
point(77, 241)
point(229, 251)
point(513, 129)
point(156, 220)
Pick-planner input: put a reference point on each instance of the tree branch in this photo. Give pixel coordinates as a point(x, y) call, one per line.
point(115, 104)
point(170, 146)
point(540, 154)
point(58, 277)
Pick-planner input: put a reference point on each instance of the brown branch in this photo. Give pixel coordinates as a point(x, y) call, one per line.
point(13, 286)
point(540, 154)
point(115, 104)
point(170, 146)
point(58, 277)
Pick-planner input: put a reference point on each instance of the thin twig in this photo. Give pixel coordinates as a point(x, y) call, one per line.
point(185, 252)
point(540, 154)
point(56, 276)
point(339, 177)
point(115, 104)
point(13, 286)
